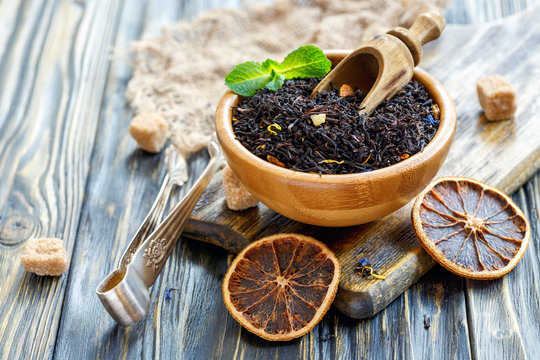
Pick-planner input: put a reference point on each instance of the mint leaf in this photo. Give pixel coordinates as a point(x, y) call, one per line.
point(303, 62)
point(276, 82)
point(269, 65)
point(247, 77)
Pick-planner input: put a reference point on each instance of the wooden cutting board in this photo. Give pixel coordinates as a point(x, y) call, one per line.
point(503, 154)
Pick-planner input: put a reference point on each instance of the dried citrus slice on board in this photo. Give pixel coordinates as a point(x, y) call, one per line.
point(470, 228)
point(280, 286)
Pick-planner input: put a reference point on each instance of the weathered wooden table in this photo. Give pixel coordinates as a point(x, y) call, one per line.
point(68, 170)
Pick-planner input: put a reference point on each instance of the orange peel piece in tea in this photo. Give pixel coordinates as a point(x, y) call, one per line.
point(472, 229)
point(280, 286)
point(273, 160)
point(345, 90)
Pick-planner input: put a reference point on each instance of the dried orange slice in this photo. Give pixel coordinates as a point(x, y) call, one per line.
point(470, 228)
point(280, 286)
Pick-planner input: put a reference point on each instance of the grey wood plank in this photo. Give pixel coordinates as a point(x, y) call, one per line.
point(504, 315)
point(122, 184)
point(493, 308)
point(437, 308)
point(52, 76)
point(22, 51)
point(482, 11)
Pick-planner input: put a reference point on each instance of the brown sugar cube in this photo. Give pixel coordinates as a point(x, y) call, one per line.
point(497, 97)
point(238, 197)
point(150, 131)
point(45, 256)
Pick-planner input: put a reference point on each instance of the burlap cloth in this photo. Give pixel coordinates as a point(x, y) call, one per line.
point(180, 74)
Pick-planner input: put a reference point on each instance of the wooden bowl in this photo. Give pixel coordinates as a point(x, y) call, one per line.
point(339, 200)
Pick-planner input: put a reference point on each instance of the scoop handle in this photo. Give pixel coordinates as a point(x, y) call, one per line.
point(427, 26)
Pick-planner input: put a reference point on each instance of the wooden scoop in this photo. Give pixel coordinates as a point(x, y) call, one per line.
point(382, 66)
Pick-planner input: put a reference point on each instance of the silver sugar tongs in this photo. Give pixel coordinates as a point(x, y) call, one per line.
point(125, 291)
point(175, 175)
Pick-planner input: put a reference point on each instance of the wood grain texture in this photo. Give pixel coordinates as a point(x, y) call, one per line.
point(119, 192)
point(504, 314)
point(67, 172)
point(52, 74)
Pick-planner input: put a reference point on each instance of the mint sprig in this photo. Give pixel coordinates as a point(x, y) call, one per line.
point(304, 62)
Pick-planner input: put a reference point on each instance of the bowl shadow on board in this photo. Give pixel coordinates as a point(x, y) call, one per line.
point(257, 342)
point(273, 221)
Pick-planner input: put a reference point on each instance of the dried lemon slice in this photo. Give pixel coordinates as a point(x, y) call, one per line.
point(280, 286)
point(470, 228)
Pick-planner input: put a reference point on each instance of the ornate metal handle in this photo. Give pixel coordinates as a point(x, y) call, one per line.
point(176, 175)
point(153, 253)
